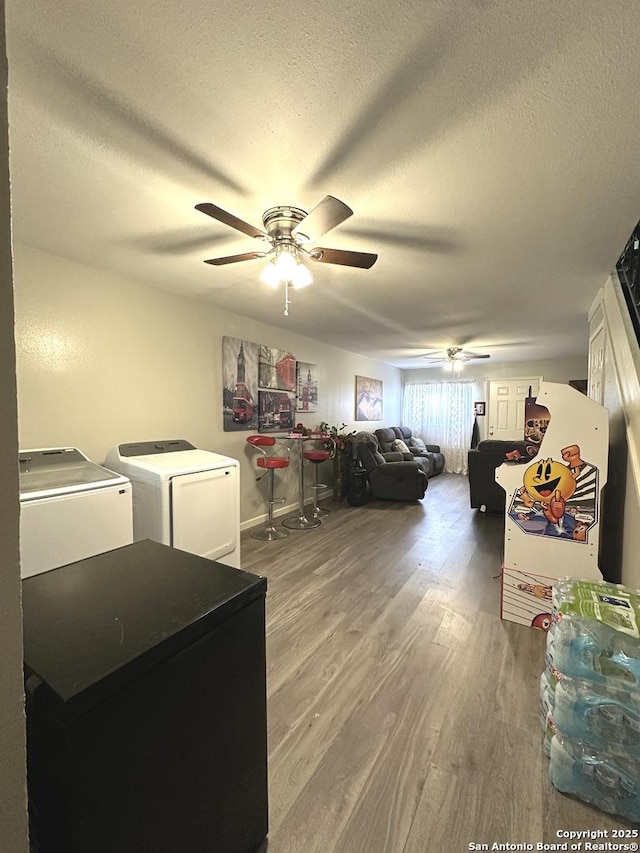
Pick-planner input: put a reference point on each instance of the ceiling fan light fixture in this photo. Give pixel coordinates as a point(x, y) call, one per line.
point(270, 276)
point(302, 276)
point(285, 262)
point(286, 267)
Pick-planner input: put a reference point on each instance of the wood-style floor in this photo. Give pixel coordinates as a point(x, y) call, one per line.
point(403, 713)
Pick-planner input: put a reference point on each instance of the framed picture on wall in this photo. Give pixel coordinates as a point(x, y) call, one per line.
point(276, 369)
point(277, 411)
point(368, 399)
point(239, 384)
point(307, 387)
point(479, 409)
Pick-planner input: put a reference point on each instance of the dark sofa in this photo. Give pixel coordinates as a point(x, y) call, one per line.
point(390, 476)
point(428, 456)
point(483, 461)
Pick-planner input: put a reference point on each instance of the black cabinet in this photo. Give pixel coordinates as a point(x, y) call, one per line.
point(146, 705)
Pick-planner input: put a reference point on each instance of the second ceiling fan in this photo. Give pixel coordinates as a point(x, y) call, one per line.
point(453, 354)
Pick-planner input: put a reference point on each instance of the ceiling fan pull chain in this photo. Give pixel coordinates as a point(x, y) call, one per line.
point(286, 299)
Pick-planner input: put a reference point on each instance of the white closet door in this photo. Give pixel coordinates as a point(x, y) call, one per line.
point(205, 512)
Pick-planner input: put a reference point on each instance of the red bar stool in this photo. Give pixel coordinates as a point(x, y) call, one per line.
point(323, 449)
point(269, 463)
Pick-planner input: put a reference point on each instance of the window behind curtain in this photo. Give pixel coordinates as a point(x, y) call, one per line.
point(442, 413)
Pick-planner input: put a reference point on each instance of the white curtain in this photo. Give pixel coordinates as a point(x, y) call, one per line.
point(442, 413)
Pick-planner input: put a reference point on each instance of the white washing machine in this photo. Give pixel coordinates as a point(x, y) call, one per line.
point(70, 508)
point(184, 497)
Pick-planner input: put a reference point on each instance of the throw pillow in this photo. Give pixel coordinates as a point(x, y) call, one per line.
point(419, 444)
point(400, 446)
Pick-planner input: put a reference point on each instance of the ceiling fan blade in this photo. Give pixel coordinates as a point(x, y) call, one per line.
point(436, 354)
point(363, 260)
point(324, 216)
point(469, 356)
point(233, 259)
point(229, 219)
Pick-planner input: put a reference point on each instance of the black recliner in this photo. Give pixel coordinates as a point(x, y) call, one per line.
point(400, 480)
point(484, 492)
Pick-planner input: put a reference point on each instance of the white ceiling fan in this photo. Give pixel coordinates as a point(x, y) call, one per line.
point(453, 357)
point(453, 354)
point(286, 232)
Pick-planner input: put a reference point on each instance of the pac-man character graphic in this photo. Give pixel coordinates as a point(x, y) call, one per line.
point(549, 484)
point(558, 498)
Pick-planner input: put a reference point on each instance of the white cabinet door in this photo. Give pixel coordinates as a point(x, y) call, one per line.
point(205, 513)
point(506, 407)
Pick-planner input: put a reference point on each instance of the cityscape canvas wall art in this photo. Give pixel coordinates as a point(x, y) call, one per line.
point(239, 384)
point(276, 394)
point(276, 369)
point(368, 399)
point(307, 387)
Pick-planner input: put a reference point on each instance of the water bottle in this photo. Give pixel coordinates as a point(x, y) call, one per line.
point(547, 703)
point(547, 697)
point(587, 648)
point(545, 710)
point(607, 782)
point(606, 718)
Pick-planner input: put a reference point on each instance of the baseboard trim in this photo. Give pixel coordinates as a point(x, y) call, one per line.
point(288, 509)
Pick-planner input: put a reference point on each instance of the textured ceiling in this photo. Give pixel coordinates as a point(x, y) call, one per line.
point(489, 151)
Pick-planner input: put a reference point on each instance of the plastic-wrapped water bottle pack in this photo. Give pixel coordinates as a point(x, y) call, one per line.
point(590, 695)
point(607, 719)
point(580, 598)
point(577, 768)
point(585, 648)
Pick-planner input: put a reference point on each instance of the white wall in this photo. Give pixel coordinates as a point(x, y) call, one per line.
point(13, 798)
point(103, 360)
point(620, 390)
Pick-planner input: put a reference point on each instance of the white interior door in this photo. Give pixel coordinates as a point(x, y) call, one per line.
point(506, 407)
point(205, 512)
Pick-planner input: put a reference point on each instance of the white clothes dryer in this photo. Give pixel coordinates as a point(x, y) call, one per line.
point(183, 496)
point(70, 509)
